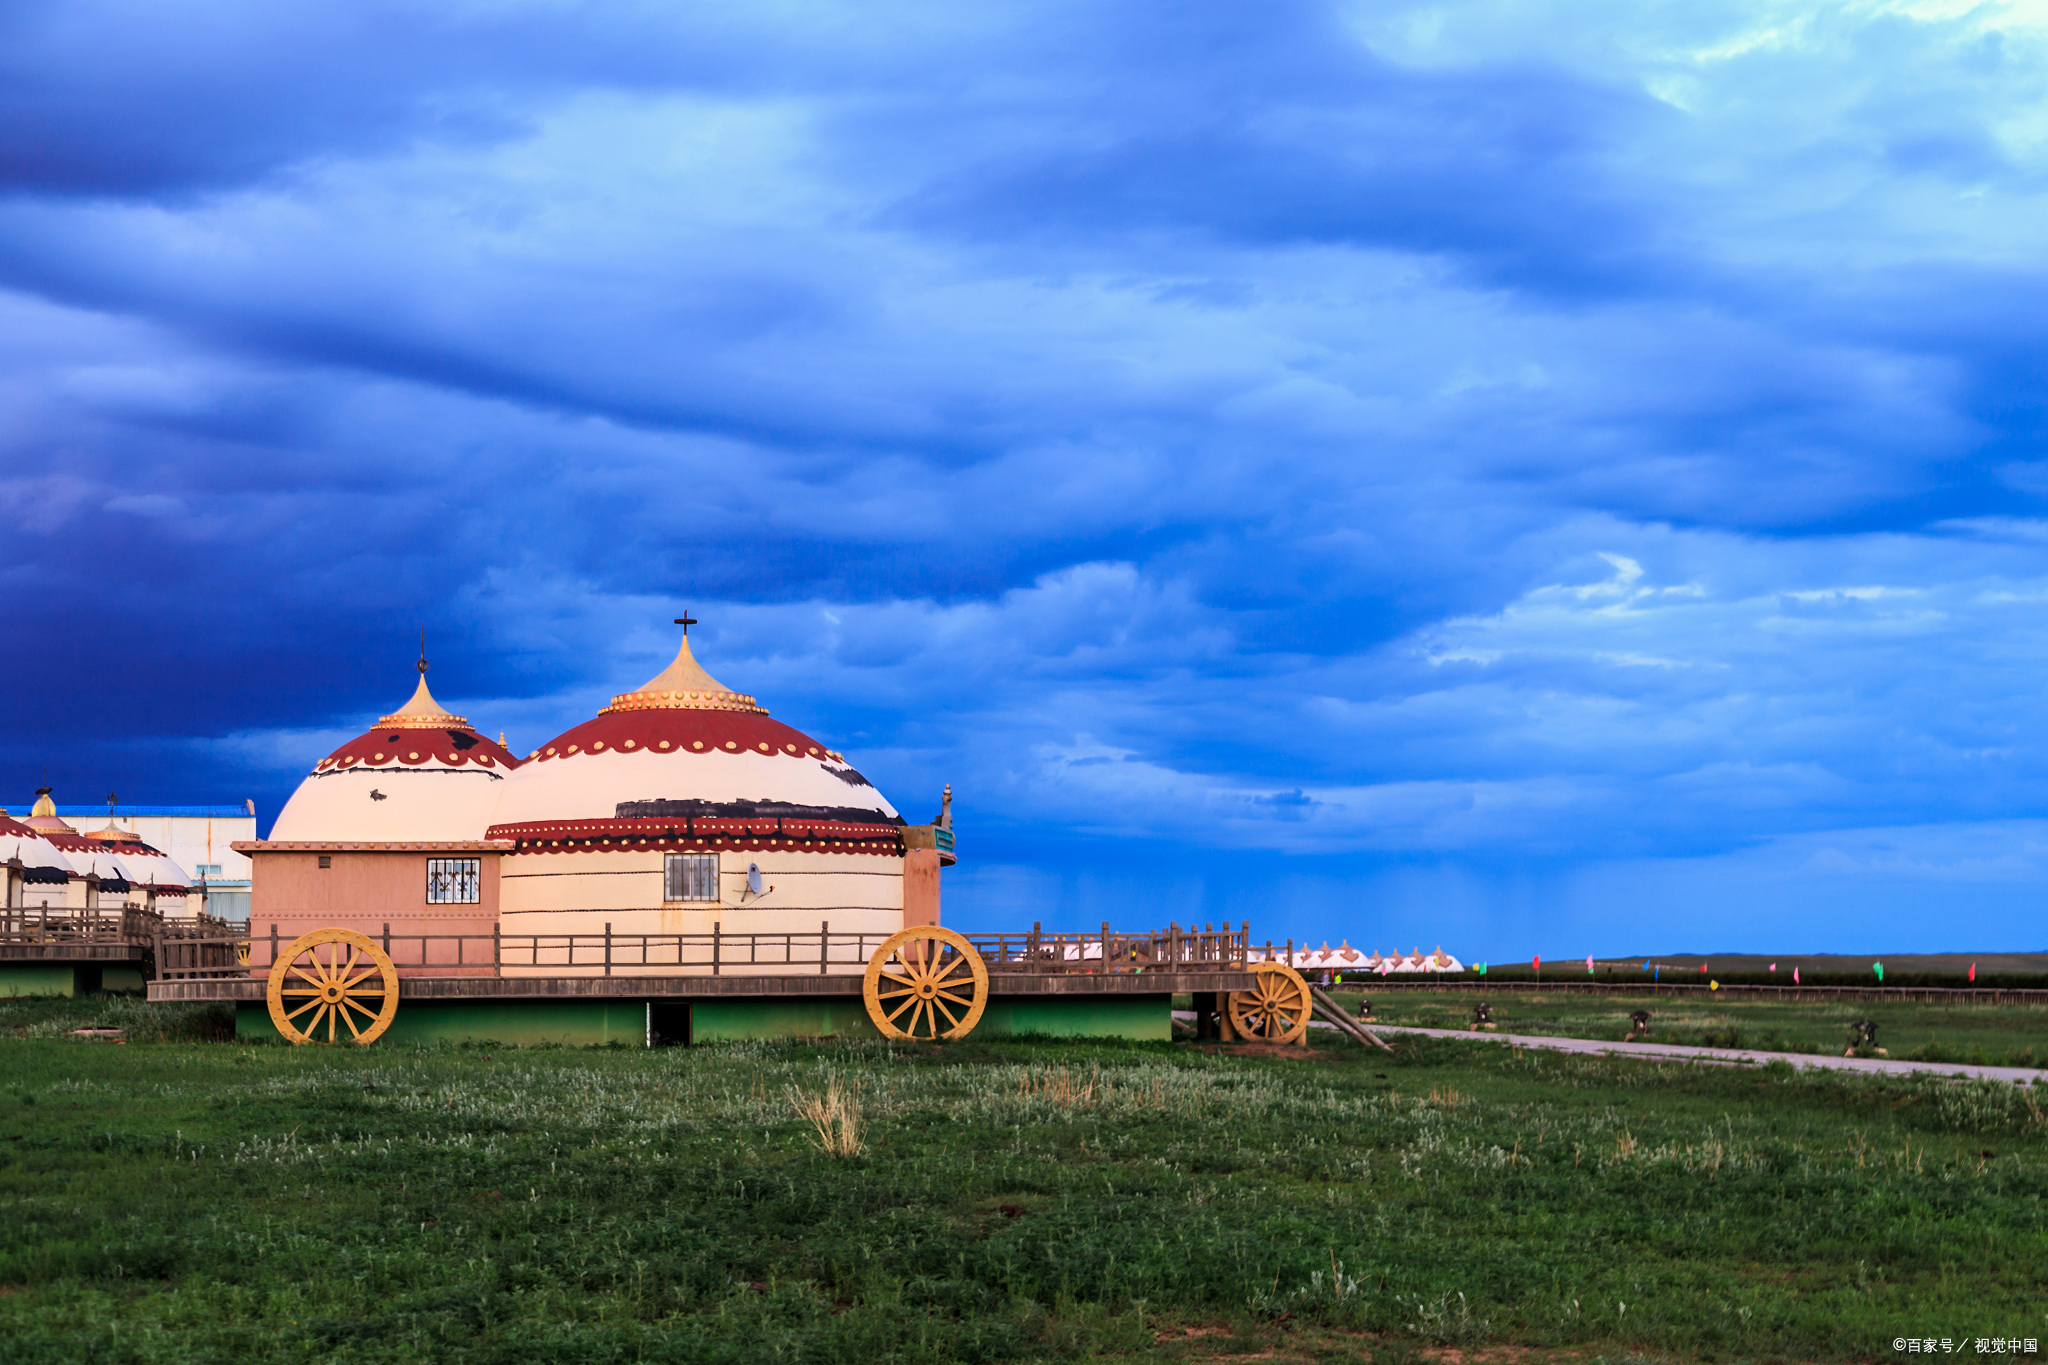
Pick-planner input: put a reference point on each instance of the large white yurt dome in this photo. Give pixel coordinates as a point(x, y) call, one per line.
point(683, 745)
point(421, 776)
point(682, 808)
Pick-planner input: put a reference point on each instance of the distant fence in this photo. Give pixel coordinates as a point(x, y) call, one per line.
point(1960, 995)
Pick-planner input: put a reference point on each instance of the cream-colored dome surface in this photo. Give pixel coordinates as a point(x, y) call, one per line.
point(427, 804)
point(593, 786)
point(19, 841)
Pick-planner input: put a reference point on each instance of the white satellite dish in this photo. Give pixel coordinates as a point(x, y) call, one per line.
point(754, 878)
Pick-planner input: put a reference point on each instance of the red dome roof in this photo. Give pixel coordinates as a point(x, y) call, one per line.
point(387, 746)
point(684, 731)
point(420, 732)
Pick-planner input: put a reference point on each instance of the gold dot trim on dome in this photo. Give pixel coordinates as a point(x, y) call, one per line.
point(398, 720)
point(684, 701)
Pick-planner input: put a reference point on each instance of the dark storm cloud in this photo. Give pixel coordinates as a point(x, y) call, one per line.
point(1497, 435)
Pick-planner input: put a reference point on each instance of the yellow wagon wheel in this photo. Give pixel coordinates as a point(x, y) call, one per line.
point(924, 984)
point(329, 981)
point(1275, 1009)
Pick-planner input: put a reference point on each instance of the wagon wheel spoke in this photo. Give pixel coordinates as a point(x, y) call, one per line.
point(952, 1019)
point(303, 1008)
point(909, 1000)
point(300, 972)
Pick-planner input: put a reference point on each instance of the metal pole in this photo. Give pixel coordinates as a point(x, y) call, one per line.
point(714, 947)
point(1105, 945)
point(273, 942)
point(497, 953)
point(607, 947)
point(824, 938)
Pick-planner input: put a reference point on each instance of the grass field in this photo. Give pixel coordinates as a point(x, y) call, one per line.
point(190, 1201)
point(1993, 1035)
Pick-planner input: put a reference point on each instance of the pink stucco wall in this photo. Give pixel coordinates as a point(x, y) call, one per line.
point(920, 887)
point(368, 890)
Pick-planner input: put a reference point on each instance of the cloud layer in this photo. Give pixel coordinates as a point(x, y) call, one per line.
point(1283, 460)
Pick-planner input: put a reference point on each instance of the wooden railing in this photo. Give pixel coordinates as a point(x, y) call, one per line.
point(69, 924)
point(823, 952)
point(1173, 948)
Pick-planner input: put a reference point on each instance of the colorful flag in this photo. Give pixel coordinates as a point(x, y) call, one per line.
point(1589, 966)
point(1973, 971)
point(1713, 985)
point(1795, 976)
point(1774, 966)
point(1878, 967)
point(1646, 964)
point(1538, 963)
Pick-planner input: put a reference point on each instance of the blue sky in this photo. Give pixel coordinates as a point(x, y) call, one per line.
point(1533, 477)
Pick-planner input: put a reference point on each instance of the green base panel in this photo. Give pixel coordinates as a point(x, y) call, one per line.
point(727, 1021)
point(1139, 1018)
point(124, 979)
point(38, 978)
point(570, 1023)
point(1143, 1018)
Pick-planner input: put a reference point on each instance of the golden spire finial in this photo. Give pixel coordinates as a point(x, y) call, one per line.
point(684, 685)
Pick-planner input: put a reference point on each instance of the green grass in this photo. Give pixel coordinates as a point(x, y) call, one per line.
point(1016, 1201)
point(1992, 1035)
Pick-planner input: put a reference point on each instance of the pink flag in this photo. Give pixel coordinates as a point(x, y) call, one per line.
point(1589, 966)
point(1774, 966)
point(1795, 976)
point(1538, 962)
point(1973, 971)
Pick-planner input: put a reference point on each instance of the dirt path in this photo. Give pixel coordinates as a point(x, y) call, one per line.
point(1732, 1056)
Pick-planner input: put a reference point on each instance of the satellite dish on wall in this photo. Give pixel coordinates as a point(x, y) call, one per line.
point(754, 890)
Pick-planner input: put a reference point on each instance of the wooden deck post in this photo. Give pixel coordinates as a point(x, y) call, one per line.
point(824, 938)
point(714, 947)
point(607, 947)
point(497, 953)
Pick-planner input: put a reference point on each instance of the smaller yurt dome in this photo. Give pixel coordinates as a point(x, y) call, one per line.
point(140, 864)
point(40, 860)
point(422, 775)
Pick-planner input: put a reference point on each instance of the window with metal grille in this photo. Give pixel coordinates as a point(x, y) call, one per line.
point(454, 881)
point(690, 877)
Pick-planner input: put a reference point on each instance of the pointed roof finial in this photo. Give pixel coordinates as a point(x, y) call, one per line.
point(684, 684)
point(422, 712)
